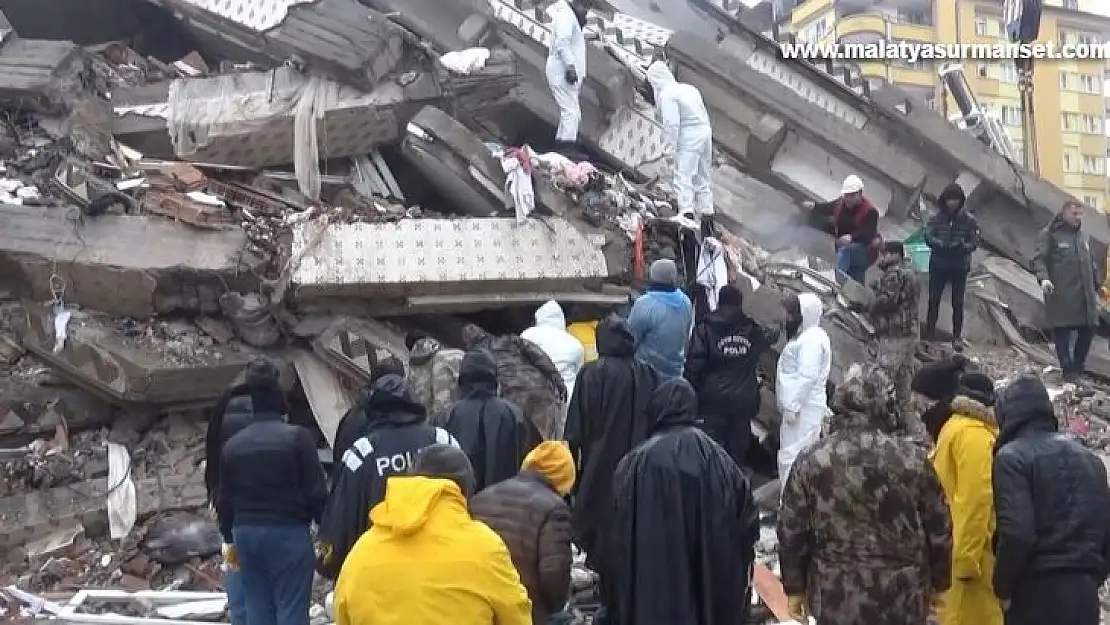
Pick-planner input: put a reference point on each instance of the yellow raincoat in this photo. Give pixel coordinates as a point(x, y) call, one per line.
point(426, 562)
point(586, 333)
point(963, 460)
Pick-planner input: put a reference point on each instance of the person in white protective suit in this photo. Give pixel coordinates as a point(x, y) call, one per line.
point(566, 66)
point(565, 351)
point(803, 370)
point(689, 139)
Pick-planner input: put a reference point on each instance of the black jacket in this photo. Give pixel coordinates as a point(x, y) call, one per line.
point(395, 430)
point(606, 418)
point(270, 474)
point(1051, 496)
point(679, 543)
point(952, 237)
point(493, 432)
point(233, 412)
point(723, 362)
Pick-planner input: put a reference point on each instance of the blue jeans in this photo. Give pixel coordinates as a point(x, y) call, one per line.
point(236, 600)
point(852, 260)
point(277, 563)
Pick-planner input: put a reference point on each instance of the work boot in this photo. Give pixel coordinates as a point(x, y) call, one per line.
point(960, 345)
point(1071, 377)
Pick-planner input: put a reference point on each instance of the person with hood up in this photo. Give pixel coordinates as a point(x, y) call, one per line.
point(271, 488)
point(1069, 279)
point(354, 424)
point(679, 542)
point(1052, 549)
point(433, 373)
point(395, 432)
point(893, 314)
point(662, 320)
point(723, 367)
point(688, 137)
point(952, 235)
point(425, 561)
point(529, 514)
point(606, 418)
point(492, 431)
point(803, 370)
point(962, 459)
point(526, 377)
point(566, 66)
point(864, 532)
point(566, 352)
point(854, 222)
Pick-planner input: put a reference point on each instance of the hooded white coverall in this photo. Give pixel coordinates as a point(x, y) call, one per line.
point(689, 138)
point(567, 49)
point(802, 372)
point(565, 351)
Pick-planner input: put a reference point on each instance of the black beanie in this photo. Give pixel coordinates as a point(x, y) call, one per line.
point(941, 379)
point(978, 387)
point(263, 381)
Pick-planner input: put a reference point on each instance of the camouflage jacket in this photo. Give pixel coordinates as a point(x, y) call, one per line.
point(894, 309)
point(434, 375)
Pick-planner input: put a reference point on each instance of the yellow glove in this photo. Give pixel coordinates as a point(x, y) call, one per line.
point(231, 557)
point(797, 606)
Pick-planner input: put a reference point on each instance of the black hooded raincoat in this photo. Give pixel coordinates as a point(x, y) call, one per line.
point(680, 543)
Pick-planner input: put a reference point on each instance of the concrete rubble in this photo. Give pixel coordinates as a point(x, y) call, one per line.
point(307, 181)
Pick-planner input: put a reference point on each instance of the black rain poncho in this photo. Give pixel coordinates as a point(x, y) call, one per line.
point(492, 431)
point(680, 543)
point(606, 418)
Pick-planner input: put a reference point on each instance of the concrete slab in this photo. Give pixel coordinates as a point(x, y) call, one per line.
point(353, 347)
point(327, 397)
point(122, 265)
point(40, 76)
point(441, 256)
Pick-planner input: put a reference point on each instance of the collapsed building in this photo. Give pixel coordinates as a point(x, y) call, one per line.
point(309, 180)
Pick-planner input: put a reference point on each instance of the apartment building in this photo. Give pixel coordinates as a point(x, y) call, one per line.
point(1070, 104)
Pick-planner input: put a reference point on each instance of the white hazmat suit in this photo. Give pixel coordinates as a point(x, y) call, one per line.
point(565, 351)
point(802, 373)
point(567, 50)
point(689, 138)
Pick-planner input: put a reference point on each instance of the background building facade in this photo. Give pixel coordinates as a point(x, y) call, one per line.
point(1071, 102)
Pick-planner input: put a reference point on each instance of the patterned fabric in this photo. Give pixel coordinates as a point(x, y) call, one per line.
point(894, 309)
point(897, 355)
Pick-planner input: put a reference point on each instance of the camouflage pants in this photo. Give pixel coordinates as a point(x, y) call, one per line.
point(898, 355)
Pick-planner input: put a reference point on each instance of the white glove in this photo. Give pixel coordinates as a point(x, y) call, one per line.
point(1048, 287)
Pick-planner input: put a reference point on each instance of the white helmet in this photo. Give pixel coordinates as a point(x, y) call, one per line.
point(852, 184)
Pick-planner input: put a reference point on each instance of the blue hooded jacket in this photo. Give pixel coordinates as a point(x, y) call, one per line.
point(661, 321)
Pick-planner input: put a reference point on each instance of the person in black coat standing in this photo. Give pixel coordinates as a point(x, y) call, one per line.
point(722, 366)
point(952, 235)
point(1052, 503)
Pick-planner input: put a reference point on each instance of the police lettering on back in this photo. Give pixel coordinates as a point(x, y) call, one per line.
point(397, 463)
point(734, 345)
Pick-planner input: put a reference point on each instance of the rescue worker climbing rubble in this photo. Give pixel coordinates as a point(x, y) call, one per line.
point(803, 370)
point(864, 532)
point(565, 351)
point(854, 222)
point(433, 373)
point(566, 66)
point(689, 140)
point(893, 314)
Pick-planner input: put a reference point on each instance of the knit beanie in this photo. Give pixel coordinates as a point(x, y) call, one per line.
point(978, 387)
point(664, 271)
point(553, 460)
point(263, 380)
point(939, 380)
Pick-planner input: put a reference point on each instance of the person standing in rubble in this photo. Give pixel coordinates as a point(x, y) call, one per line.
point(662, 320)
point(1052, 549)
point(864, 532)
point(565, 351)
point(952, 235)
point(854, 222)
point(356, 421)
point(433, 373)
point(528, 512)
point(962, 458)
point(803, 370)
point(606, 418)
point(689, 140)
point(1069, 279)
point(893, 314)
point(425, 561)
point(271, 489)
point(566, 67)
point(679, 542)
point(395, 431)
point(492, 431)
point(723, 367)
point(526, 377)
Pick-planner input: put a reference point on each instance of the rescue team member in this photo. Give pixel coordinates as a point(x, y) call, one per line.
point(854, 222)
point(565, 351)
point(803, 370)
point(952, 235)
point(662, 320)
point(566, 67)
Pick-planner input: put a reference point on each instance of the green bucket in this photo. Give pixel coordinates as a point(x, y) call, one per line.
point(917, 251)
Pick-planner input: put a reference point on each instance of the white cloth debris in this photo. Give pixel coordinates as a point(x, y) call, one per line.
point(28, 193)
point(205, 198)
point(122, 504)
point(712, 269)
point(465, 61)
point(61, 328)
point(519, 192)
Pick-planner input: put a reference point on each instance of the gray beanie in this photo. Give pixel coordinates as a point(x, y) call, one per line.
point(445, 462)
point(664, 271)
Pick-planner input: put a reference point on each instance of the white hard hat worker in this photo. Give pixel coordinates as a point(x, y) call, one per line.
point(852, 184)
